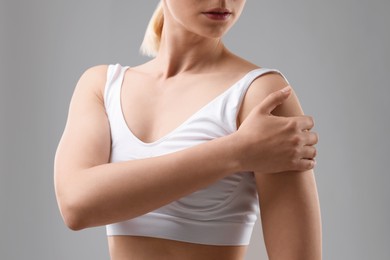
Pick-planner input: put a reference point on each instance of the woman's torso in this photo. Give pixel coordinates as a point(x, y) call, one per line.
point(165, 105)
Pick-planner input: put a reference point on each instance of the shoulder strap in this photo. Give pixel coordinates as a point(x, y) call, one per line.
point(252, 76)
point(236, 97)
point(115, 74)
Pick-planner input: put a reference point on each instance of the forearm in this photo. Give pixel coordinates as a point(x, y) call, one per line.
point(114, 192)
point(290, 216)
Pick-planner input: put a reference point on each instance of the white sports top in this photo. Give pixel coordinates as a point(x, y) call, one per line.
point(225, 212)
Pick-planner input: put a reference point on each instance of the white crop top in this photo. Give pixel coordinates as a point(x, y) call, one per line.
point(225, 212)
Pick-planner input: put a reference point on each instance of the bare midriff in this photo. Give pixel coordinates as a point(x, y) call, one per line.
point(147, 248)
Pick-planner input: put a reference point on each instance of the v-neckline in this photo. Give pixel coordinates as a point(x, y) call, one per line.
point(186, 121)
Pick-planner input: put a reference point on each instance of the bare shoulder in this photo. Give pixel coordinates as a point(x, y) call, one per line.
point(260, 88)
point(85, 142)
point(93, 80)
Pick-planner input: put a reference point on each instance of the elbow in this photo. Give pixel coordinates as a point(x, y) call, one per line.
point(72, 206)
point(73, 215)
point(73, 222)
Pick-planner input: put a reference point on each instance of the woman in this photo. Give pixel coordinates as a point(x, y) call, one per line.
point(172, 154)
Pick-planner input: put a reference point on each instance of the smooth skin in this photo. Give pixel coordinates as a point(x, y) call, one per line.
point(91, 191)
point(289, 202)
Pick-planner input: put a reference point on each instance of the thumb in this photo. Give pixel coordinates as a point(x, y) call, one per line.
point(274, 99)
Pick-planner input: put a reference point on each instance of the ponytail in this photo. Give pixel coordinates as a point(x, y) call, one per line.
point(152, 38)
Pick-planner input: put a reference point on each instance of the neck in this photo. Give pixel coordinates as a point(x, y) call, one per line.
point(182, 51)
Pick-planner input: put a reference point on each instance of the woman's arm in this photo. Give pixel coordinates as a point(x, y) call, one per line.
point(91, 191)
point(289, 203)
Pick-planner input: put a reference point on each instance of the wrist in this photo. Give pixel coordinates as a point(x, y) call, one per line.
point(232, 151)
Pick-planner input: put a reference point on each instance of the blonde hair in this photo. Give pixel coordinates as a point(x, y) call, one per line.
point(152, 38)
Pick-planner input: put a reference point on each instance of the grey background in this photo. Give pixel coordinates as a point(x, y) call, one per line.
point(335, 53)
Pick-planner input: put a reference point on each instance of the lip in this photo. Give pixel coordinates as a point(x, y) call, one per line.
point(218, 14)
point(218, 10)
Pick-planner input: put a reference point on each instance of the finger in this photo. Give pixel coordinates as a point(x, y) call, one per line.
point(305, 123)
point(310, 138)
point(274, 99)
point(306, 164)
point(309, 152)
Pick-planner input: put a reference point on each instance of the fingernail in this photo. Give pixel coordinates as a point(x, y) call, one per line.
point(286, 89)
